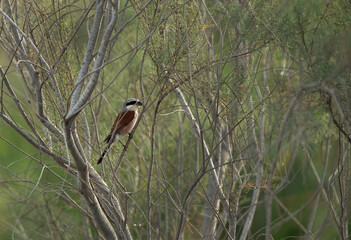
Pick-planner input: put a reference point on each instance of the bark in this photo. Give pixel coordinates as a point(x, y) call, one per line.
point(223, 155)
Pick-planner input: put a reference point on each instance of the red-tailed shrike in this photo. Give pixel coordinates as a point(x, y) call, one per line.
point(123, 124)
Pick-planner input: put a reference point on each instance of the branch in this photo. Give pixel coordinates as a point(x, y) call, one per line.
point(317, 85)
point(60, 160)
point(85, 187)
point(342, 116)
point(197, 131)
point(259, 151)
point(76, 108)
point(15, 30)
point(88, 55)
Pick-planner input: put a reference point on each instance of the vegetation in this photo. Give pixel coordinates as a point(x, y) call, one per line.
point(244, 132)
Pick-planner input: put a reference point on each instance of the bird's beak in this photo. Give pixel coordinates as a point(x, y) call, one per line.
point(140, 103)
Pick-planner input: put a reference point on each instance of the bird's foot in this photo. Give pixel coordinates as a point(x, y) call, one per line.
point(122, 143)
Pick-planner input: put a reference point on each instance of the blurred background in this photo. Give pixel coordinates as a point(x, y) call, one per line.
point(244, 132)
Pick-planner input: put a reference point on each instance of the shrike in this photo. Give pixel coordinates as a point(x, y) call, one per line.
point(123, 124)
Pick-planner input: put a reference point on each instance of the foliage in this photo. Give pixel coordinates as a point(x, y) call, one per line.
point(244, 132)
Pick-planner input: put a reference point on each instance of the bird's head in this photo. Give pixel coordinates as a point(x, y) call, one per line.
point(132, 104)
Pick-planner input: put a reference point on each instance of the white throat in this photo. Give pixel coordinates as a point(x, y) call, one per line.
point(132, 108)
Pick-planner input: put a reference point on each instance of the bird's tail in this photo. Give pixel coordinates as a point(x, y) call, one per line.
point(103, 154)
point(110, 141)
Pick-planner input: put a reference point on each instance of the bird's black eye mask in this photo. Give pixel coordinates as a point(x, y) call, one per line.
point(131, 103)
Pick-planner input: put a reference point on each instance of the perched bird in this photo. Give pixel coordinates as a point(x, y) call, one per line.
point(123, 124)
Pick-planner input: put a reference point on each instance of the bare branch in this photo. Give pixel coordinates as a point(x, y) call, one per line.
point(88, 55)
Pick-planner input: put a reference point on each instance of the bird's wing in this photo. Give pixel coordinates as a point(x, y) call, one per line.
point(122, 120)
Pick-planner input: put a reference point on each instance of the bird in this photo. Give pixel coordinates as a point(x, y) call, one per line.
point(123, 124)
